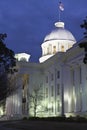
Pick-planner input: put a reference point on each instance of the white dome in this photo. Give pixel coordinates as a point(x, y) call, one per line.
point(60, 33)
point(59, 40)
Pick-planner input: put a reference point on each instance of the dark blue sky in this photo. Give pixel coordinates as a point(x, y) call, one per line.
point(27, 22)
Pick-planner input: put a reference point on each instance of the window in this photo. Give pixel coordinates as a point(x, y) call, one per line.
point(51, 77)
point(62, 48)
point(48, 50)
point(58, 74)
point(58, 89)
point(73, 76)
point(46, 92)
point(52, 106)
point(54, 49)
point(22, 59)
point(58, 105)
point(80, 75)
point(46, 79)
point(51, 90)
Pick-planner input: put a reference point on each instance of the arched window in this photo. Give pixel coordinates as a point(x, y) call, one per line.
point(50, 49)
point(23, 59)
point(54, 49)
point(47, 50)
point(62, 48)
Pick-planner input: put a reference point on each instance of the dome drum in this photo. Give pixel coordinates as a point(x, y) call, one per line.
point(54, 46)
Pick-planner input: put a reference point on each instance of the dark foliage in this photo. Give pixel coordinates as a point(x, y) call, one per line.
point(84, 25)
point(84, 44)
point(6, 55)
point(3, 86)
point(7, 61)
point(76, 119)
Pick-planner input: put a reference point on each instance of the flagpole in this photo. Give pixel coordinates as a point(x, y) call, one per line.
point(61, 8)
point(59, 15)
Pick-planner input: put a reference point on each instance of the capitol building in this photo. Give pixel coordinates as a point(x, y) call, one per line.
point(57, 85)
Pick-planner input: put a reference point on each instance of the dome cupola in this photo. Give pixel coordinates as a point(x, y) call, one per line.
point(60, 33)
point(59, 40)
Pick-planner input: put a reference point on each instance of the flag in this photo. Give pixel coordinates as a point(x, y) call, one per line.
point(61, 7)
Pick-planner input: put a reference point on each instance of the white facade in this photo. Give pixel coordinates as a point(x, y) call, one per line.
point(62, 79)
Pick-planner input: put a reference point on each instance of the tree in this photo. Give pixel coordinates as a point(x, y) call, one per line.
point(84, 25)
point(7, 59)
point(84, 43)
point(3, 86)
point(35, 99)
point(7, 62)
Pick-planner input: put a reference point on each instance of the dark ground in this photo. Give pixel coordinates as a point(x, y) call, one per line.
point(44, 125)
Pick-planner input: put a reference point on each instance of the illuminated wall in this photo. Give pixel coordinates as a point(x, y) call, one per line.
point(25, 84)
point(14, 100)
point(63, 86)
point(52, 90)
